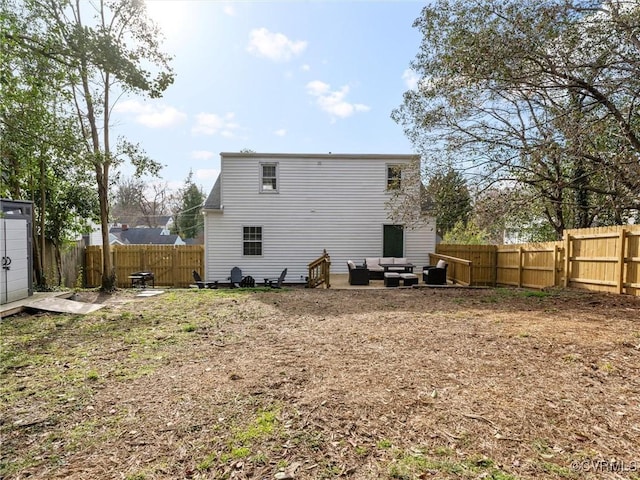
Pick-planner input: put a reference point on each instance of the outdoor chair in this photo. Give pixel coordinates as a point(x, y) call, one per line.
point(435, 275)
point(358, 275)
point(276, 283)
point(201, 284)
point(235, 278)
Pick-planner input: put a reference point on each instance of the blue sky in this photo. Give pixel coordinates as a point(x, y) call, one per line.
point(274, 76)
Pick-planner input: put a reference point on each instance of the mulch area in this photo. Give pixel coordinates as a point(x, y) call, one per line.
point(414, 383)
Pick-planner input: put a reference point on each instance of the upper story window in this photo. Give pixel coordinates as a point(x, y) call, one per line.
point(269, 177)
point(394, 177)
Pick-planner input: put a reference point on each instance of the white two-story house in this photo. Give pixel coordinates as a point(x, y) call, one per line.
point(267, 212)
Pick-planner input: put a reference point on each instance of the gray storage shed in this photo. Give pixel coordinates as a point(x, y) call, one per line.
point(16, 266)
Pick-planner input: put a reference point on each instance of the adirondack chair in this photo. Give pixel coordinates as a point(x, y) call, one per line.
point(201, 284)
point(276, 283)
point(235, 278)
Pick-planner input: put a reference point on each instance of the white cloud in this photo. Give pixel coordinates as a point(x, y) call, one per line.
point(410, 78)
point(334, 101)
point(207, 174)
point(202, 155)
point(305, 68)
point(152, 116)
point(274, 46)
point(229, 10)
point(213, 124)
point(281, 132)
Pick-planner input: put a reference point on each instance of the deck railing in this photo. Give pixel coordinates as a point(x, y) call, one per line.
point(320, 271)
point(459, 270)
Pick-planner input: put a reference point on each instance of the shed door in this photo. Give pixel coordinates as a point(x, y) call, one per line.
point(14, 262)
point(393, 241)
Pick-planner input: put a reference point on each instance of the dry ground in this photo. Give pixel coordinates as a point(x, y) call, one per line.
point(311, 384)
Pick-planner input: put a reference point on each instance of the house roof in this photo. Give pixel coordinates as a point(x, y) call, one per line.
point(142, 221)
point(313, 156)
point(213, 200)
point(144, 236)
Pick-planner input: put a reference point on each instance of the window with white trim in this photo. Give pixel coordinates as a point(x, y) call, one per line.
point(269, 177)
point(252, 241)
point(394, 177)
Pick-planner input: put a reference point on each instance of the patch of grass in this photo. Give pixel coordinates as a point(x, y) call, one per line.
point(414, 465)
point(606, 367)
point(571, 358)
point(361, 450)
point(384, 444)
point(208, 462)
point(189, 327)
point(558, 470)
point(262, 427)
point(92, 375)
point(136, 476)
point(244, 439)
point(535, 294)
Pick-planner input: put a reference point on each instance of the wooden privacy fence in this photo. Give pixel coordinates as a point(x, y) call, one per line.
point(604, 259)
point(172, 265)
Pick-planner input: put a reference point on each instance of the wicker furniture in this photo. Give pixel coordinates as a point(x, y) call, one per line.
point(394, 264)
point(358, 274)
point(435, 275)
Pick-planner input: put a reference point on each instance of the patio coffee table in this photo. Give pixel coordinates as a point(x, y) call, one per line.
point(407, 267)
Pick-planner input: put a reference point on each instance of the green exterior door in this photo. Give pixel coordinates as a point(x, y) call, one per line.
point(393, 241)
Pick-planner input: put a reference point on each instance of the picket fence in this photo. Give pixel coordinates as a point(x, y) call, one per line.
point(603, 259)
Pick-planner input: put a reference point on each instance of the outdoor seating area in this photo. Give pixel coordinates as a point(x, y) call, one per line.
point(391, 272)
point(378, 266)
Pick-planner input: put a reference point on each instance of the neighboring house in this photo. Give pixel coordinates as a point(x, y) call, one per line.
point(267, 212)
point(158, 221)
point(143, 236)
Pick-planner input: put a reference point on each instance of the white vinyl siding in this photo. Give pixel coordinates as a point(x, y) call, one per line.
point(325, 202)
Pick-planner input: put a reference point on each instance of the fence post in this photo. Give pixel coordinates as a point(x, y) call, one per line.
point(556, 255)
point(622, 236)
point(520, 266)
point(494, 264)
point(567, 258)
point(174, 266)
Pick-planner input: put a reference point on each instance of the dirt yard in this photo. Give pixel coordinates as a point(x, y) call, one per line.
point(314, 384)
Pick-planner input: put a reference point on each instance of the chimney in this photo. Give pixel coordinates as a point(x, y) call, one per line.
point(125, 227)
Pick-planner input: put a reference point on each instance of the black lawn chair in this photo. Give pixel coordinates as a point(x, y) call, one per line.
point(276, 283)
point(201, 284)
point(235, 278)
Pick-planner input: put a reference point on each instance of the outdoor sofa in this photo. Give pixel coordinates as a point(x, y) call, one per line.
point(376, 272)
